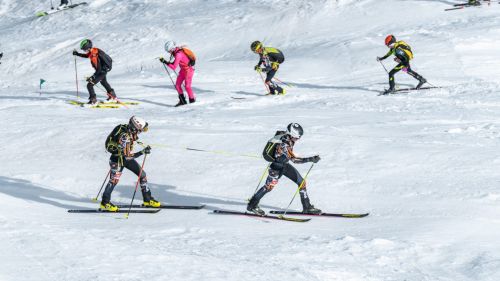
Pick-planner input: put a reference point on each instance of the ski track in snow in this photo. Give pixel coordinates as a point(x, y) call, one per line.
point(424, 164)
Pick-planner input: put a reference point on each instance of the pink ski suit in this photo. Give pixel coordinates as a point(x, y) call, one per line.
point(186, 73)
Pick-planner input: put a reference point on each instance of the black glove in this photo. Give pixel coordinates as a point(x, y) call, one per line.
point(314, 159)
point(91, 80)
point(75, 53)
point(257, 68)
point(147, 150)
point(163, 60)
point(379, 58)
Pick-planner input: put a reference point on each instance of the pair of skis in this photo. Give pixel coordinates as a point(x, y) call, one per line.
point(102, 104)
point(467, 5)
point(407, 90)
point(139, 209)
point(279, 215)
point(46, 13)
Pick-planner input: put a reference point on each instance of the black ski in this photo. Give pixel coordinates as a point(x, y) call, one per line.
point(43, 13)
point(108, 212)
point(407, 90)
point(183, 207)
point(227, 212)
point(323, 214)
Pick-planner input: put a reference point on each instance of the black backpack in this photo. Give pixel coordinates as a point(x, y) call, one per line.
point(106, 61)
point(111, 143)
point(270, 149)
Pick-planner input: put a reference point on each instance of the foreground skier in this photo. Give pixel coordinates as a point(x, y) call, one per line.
point(102, 64)
point(120, 143)
point(270, 58)
point(403, 54)
point(279, 151)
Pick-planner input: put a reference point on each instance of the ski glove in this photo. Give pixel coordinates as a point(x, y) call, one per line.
point(91, 80)
point(75, 53)
point(257, 68)
point(163, 60)
point(314, 159)
point(379, 58)
point(147, 150)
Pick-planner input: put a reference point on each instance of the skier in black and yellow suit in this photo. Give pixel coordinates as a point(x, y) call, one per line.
point(403, 54)
point(271, 58)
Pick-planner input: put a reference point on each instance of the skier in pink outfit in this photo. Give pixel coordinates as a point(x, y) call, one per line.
point(185, 59)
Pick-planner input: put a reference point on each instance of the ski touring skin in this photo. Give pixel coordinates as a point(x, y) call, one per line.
point(227, 212)
point(46, 13)
point(166, 206)
point(87, 211)
point(338, 215)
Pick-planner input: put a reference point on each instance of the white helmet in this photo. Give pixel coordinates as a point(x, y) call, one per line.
point(294, 130)
point(137, 124)
point(170, 46)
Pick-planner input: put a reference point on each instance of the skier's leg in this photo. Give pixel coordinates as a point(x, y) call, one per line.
point(274, 174)
point(395, 70)
point(135, 168)
point(272, 86)
point(109, 90)
point(178, 87)
point(92, 96)
point(114, 177)
point(421, 80)
point(187, 84)
point(290, 172)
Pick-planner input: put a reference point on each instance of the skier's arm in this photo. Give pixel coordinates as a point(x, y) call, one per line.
point(176, 62)
point(75, 53)
point(391, 51)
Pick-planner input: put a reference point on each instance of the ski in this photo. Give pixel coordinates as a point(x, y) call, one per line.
point(43, 13)
point(119, 211)
point(227, 212)
point(181, 207)
point(339, 215)
point(384, 93)
point(75, 102)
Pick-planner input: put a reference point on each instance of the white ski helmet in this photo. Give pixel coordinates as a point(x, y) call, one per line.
point(170, 46)
point(294, 130)
point(137, 124)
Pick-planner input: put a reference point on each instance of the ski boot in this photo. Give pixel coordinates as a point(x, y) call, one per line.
point(92, 101)
point(111, 95)
point(311, 210)
point(256, 210)
point(108, 207)
point(421, 82)
point(182, 101)
point(192, 100)
point(388, 91)
point(152, 203)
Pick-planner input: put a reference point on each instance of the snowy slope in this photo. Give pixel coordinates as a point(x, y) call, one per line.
point(424, 164)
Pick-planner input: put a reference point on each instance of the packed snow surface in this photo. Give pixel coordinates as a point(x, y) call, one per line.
point(424, 164)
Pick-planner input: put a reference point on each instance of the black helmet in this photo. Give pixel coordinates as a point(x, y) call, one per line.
point(86, 44)
point(255, 46)
point(294, 130)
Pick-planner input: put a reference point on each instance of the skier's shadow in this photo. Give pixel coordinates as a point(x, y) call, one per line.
point(195, 89)
point(316, 86)
point(26, 190)
point(248, 94)
point(167, 194)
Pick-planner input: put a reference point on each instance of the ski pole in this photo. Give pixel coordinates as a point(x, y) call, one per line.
point(136, 185)
point(298, 189)
point(286, 84)
point(76, 80)
point(261, 178)
point(51, 5)
point(264, 81)
point(383, 66)
point(98, 193)
point(168, 72)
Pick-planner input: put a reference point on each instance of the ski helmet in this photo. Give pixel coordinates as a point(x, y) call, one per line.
point(137, 124)
point(170, 46)
point(86, 44)
point(294, 130)
point(390, 39)
point(255, 46)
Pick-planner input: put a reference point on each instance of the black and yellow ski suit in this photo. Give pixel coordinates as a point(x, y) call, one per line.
point(120, 144)
point(281, 167)
point(271, 58)
point(403, 54)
